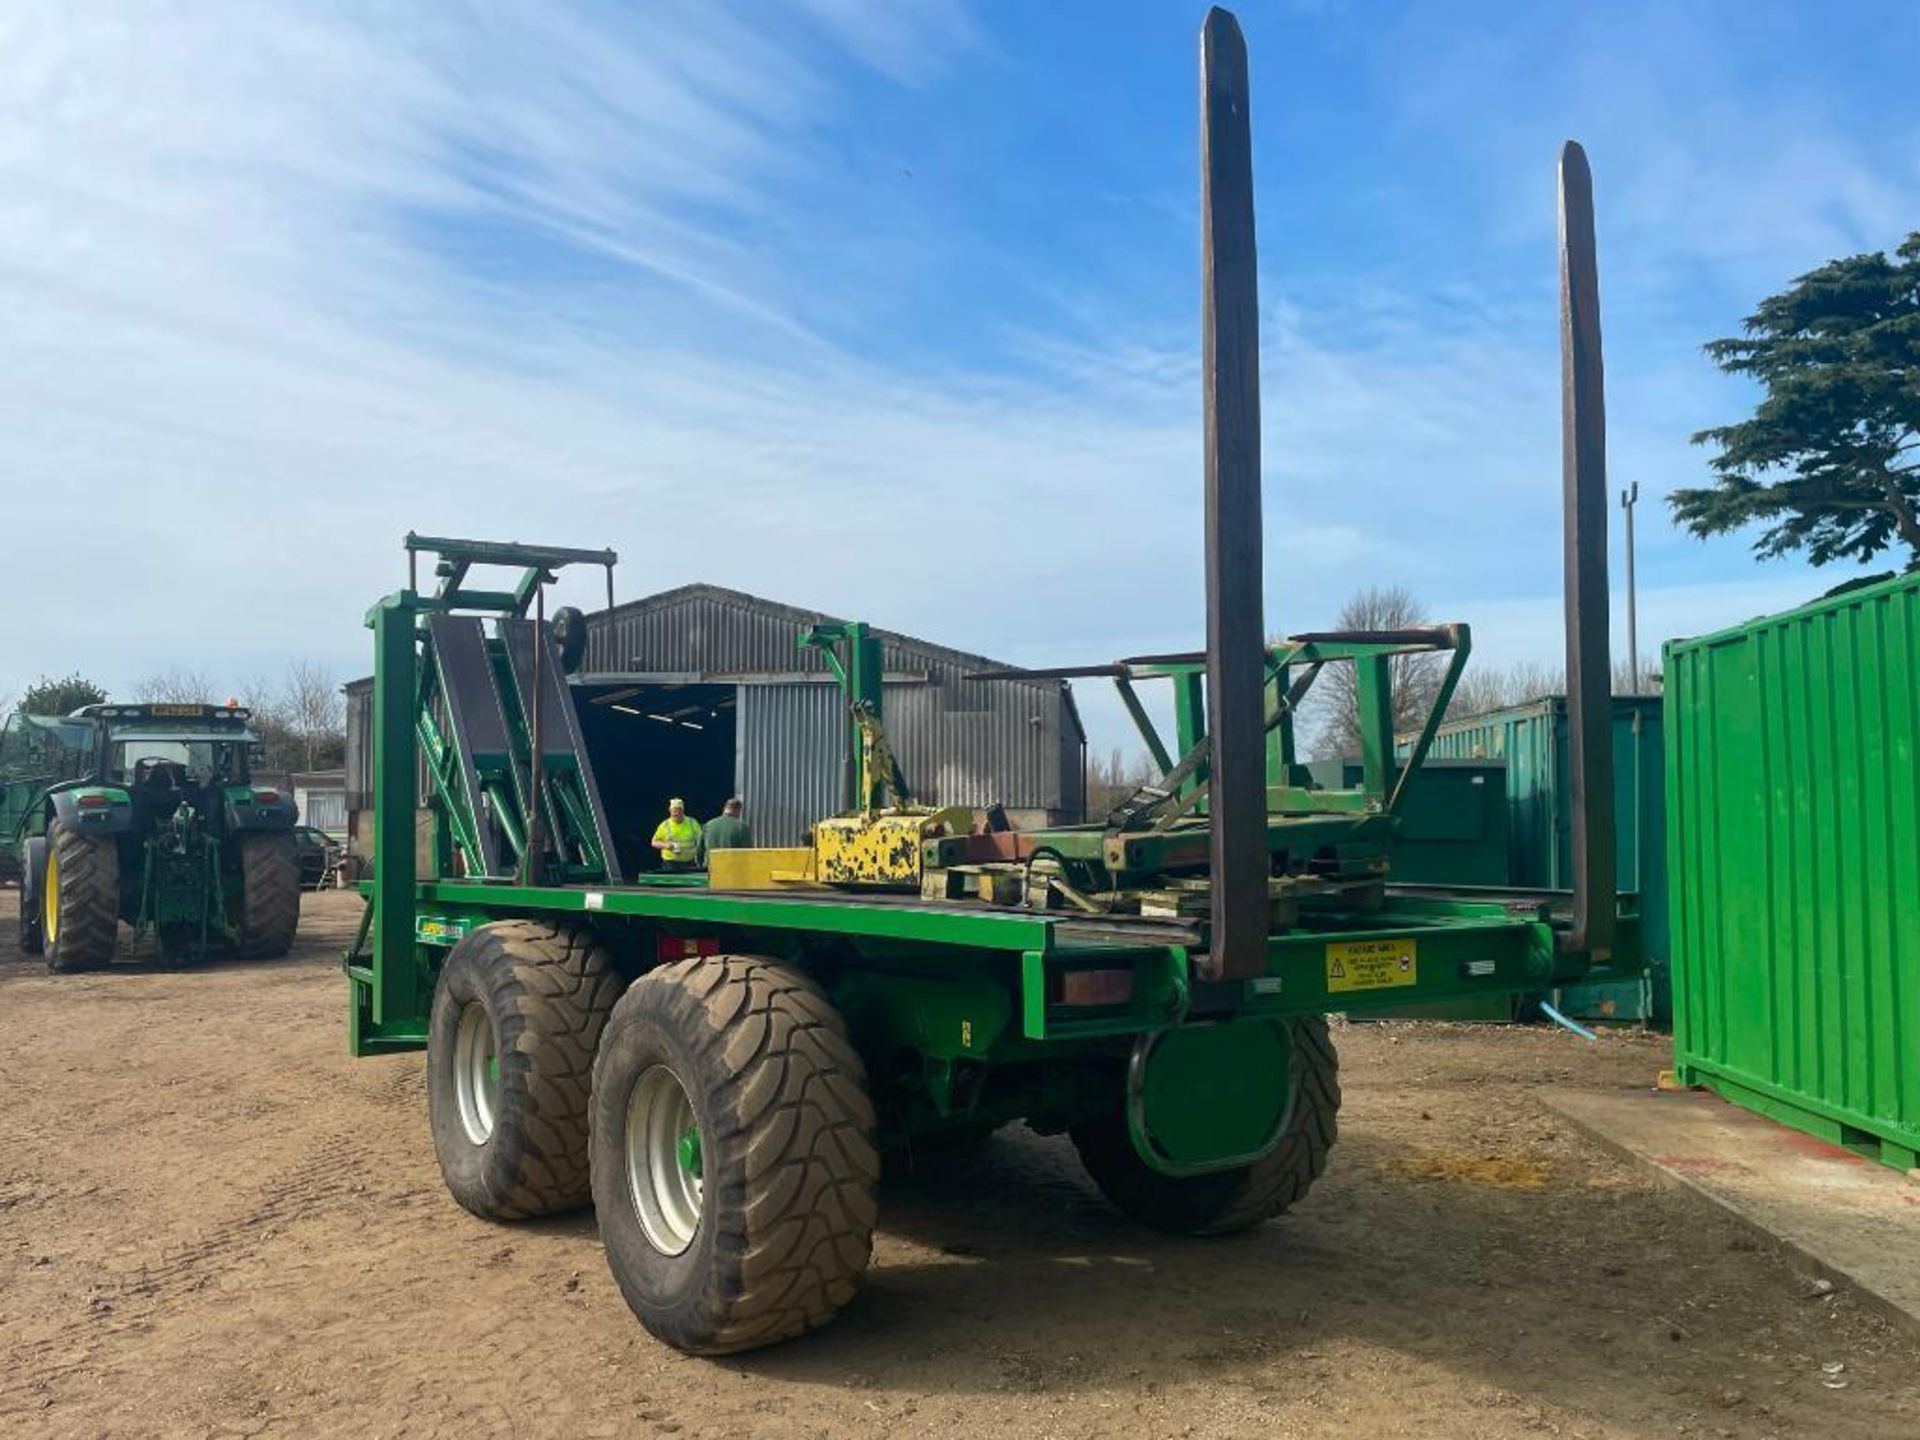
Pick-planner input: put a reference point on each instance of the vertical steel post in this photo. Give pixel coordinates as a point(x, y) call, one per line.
point(1373, 696)
point(1272, 701)
point(1583, 460)
point(533, 860)
point(1189, 718)
point(398, 995)
point(1230, 380)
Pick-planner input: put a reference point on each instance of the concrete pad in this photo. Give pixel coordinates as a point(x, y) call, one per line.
point(1852, 1220)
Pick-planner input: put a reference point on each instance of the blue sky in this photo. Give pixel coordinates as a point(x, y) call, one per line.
point(883, 309)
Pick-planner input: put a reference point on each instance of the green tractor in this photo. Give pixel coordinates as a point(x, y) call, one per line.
point(147, 814)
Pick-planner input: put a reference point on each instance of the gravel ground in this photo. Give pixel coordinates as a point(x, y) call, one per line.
point(212, 1222)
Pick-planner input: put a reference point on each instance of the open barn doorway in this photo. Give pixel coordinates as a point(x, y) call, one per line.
point(650, 742)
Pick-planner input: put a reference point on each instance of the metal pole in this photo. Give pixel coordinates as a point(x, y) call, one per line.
point(1583, 430)
point(533, 863)
point(1236, 678)
point(1628, 499)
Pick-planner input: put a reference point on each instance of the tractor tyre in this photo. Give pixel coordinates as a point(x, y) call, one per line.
point(33, 869)
point(269, 895)
point(733, 1154)
point(79, 900)
point(516, 1018)
point(1226, 1201)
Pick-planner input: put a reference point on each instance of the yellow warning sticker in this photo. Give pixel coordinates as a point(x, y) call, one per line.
point(1371, 964)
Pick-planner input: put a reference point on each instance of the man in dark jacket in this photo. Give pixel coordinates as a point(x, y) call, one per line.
point(727, 831)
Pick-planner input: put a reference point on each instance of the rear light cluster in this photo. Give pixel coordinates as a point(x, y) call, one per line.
point(265, 797)
point(92, 802)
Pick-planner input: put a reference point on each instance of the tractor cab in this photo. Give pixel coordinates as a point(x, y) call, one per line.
point(163, 754)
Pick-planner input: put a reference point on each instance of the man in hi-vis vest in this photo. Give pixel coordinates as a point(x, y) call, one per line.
point(677, 838)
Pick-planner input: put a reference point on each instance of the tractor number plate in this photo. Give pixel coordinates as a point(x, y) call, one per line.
point(1371, 964)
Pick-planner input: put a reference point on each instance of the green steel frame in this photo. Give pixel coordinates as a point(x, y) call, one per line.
point(1227, 894)
point(983, 996)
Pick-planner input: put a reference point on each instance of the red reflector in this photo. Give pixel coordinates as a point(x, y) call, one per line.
point(679, 947)
point(92, 802)
point(1096, 987)
point(265, 797)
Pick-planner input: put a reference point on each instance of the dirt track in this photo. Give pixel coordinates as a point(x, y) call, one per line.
point(212, 1222)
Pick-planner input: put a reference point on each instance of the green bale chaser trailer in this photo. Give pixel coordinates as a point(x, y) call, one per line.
point(718, 1062)
point(145, 814)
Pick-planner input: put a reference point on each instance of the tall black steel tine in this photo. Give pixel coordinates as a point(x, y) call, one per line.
point(1230, 378)
point(1583, 458)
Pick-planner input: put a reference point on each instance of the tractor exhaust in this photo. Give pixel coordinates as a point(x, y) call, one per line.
point(1583, 467)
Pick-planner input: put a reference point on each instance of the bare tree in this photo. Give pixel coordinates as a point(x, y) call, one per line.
point(314, 713)
point(1114, 779)
point(1484, 689)
point(1334, 702)
point(1650, 677)
point(175, 686)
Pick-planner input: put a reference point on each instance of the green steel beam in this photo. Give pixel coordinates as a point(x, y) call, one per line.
point(860, 675)
point(1189, 716)
point(1149, 736)
point(1463, 647)
point(400, 992)
point(1373, 692)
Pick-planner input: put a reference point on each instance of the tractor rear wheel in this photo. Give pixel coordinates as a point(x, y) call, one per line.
point(33, 869)
point(510, 1045)
point(1225, 1201)
point(269, 895)
point(733, 1154)
point(79, 899)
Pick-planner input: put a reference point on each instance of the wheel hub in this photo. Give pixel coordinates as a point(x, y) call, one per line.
point(665, 1178)
point(50, 900)
point(476, 1072)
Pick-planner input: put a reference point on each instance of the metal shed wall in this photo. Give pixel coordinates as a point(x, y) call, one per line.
point(961, 742)
point(1793, 775)
point(789, 746)
point(358, 765)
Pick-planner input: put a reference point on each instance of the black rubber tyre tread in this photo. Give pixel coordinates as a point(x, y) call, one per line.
point(1229, 1200)
point(32, 942)
point(790, 1164)
point(548, 990)
point(269, 895)
point(89, 922)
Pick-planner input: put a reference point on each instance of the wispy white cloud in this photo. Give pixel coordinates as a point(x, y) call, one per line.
point(281, 282)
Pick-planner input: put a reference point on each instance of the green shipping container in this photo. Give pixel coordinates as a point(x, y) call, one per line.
point(1794, 831)
point(1533, 741)
point(1453, 831)
point(1453, 824)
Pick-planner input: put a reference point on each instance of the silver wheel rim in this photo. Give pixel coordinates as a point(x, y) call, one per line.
point(664, 1162)
point(476, 1072)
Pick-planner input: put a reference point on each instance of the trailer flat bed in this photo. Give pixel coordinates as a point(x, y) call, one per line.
point(719, 1070)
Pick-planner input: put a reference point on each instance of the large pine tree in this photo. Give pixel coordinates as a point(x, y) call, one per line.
point(1830, 462)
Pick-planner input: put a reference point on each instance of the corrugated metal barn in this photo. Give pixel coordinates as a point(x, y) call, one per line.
point(704, 691)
